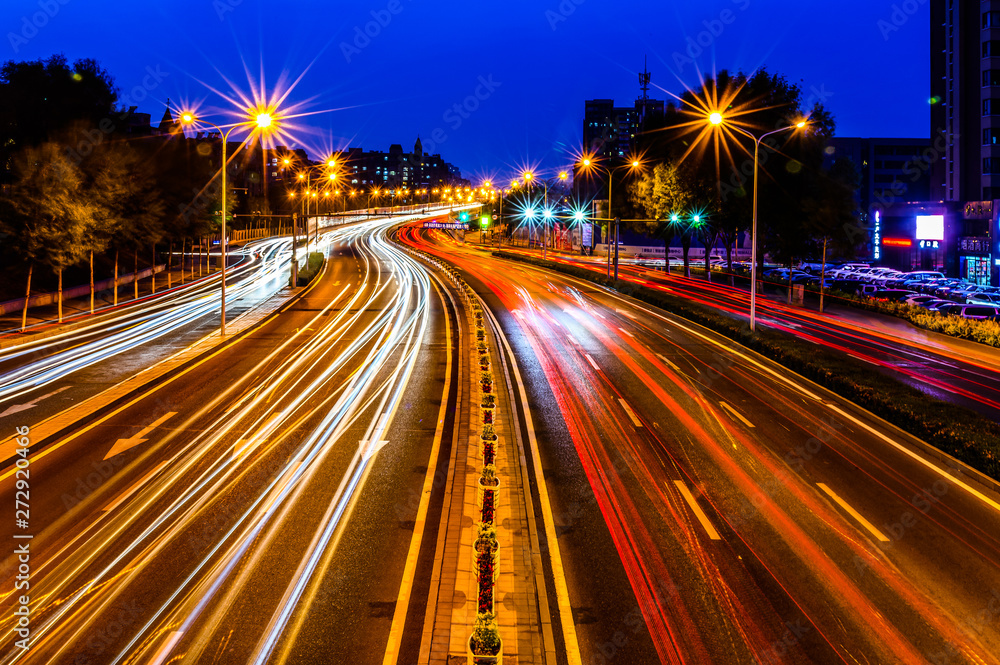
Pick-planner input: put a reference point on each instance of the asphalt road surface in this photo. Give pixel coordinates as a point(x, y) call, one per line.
point(715, 507)
point(259, 505)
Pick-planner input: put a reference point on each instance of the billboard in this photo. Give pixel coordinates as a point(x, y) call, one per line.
point(587, 234)
point(930, 227)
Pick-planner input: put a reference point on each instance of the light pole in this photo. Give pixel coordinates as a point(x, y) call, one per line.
point(263, 121)
point(717, 119)
point(633, 165)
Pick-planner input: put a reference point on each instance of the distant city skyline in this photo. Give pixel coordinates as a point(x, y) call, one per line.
point(491, 91)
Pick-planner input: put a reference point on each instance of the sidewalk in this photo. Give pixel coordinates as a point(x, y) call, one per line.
point(69, 417)
point(453, 596)
point(78, 309)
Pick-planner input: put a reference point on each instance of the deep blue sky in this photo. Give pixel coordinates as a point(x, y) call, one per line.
point(544, 57)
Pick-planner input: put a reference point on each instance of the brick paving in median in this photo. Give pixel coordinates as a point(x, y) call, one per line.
point(453, 599)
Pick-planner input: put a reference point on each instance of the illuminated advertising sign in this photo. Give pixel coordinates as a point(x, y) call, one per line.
point(930, 227)
point(877, 238)
point(587, 233)
point(445, 225)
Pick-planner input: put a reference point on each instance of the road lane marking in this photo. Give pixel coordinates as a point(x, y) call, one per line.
point(855, 514)
point(419, 524)
point(630, 412)
point(17, 408)
point(628, 314)
point(698, 512)
point(592, 363)
point(864, 360)
point(626, 332)
point(736, 413)
point(121, 445)
point(930, 465)
point(164, 651)
point(572, 340)
point(670, 364)
point(132, 488)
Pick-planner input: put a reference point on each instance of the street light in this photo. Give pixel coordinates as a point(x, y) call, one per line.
point(261, 121)
point(717, 119)
point(633, 164)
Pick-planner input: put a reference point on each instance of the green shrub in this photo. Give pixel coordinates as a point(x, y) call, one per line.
point(485, 640)
point(313, 266)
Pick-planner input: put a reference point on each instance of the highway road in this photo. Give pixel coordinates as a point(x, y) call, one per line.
point(938, 368)
point(714, 507)
point(41, 375)
point(256, 506)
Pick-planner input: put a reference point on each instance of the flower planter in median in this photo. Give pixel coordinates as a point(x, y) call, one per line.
point(488, 417)
point(492, 489)
point(489, 450)
point(485, 646)
point(487, 507)
point(490, 560)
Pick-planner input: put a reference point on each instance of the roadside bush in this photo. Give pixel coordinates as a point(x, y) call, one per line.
point(984, 332)
point(313, 266)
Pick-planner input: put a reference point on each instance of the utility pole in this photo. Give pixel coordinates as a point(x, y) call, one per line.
point(294, 278)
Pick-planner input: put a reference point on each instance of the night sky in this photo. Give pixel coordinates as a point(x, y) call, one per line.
point(531, 62)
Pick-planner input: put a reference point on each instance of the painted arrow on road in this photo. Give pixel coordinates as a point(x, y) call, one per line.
point(17, 408)
point(121, 445)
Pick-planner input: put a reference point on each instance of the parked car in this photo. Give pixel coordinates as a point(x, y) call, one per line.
point(960, 292)
point(935, 303)
point(845, 268)
point(975, 312)
point(873, 274)
point(816, 267)
point(946, 287)
point(919, 299)
point(949, 309)
point(981, 298)
point(883, 279)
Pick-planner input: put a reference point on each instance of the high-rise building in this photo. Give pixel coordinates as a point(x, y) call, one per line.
point(965, 99)
point(965, 128)
point(891, 170)
point(609, 132)
point(395, 168)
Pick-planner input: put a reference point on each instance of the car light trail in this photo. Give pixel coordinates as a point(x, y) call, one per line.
point(384, 348)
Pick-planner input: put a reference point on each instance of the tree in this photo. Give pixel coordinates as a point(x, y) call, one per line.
point(43, 97)
point(671, 194)
point(46, 218)
point(790, 164)
point(122, 184)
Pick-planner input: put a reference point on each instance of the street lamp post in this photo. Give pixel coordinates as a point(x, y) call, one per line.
point(632, 165)
point(717, 119)
point(264, 121)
